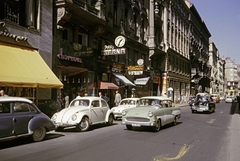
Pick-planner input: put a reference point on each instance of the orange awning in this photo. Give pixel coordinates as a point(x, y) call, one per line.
point(104, 85)
point(24, 67)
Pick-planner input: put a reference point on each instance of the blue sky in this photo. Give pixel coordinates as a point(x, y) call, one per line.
point(222, 18)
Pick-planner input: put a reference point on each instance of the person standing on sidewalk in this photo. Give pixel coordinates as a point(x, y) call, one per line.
point(234, 105)
point(2, 93)
point(117, 98)
point(238, 103)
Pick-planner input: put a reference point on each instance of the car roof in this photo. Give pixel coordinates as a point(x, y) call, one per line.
point(7, 99)
point(88, 97)
point(202, 94)
point(130, 98)
point(156, 97)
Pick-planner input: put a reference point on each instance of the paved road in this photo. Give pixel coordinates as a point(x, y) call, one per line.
point(196, 137)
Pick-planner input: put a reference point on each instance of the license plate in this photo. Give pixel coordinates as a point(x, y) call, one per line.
point(136, 125)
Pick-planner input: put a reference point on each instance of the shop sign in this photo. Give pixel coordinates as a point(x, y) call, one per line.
point(110, 50)
point(135, 70)
point(82, 51)
point(13, 36)
point(68, 58)
point(117, 68)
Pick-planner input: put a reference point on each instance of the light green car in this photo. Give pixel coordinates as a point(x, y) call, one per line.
point(153, 111)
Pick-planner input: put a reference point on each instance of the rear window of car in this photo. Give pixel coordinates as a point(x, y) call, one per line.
point(4, 107)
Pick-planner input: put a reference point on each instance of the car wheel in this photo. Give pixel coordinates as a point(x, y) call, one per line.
point(39, 134)
point(110, 119)
point(193, 111)
point(158, 126)
point(83, 124)
point(129, 127)
point(174, 121)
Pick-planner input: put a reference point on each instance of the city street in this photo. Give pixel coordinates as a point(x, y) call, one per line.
point(196, 137)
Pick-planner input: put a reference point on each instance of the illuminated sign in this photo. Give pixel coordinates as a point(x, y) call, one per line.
point(110, 50)
point(135, 68)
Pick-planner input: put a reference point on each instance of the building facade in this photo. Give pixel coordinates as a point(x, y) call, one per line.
point(26, 37)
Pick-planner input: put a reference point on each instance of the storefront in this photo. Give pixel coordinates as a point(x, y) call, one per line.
point(23, 72)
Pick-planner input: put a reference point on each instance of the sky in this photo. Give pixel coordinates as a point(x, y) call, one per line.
point(222, 18)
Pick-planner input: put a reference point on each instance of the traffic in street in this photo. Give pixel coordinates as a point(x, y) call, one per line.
point(196, 136)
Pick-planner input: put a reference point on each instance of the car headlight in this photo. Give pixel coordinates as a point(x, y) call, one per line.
point(113, 110)
point(150, 114)
point(74, 117)
point(124, 112)
point(54, 117)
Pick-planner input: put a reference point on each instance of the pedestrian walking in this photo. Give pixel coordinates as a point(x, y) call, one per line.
point(66, 100)
point(59, 104)
point(100, 94)
point(117, 98)
point(105, 97)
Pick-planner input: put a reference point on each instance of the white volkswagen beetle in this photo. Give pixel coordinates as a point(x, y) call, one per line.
point(83, 112)
point(125, 103)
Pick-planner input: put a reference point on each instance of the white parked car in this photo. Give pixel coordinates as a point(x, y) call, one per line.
point(229, 99)
point(83, 112)
point(125, 103)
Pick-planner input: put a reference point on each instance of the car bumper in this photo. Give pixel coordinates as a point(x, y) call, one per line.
point(139, 124)
point(200, 109)
point(117, 115)
point(59, 124)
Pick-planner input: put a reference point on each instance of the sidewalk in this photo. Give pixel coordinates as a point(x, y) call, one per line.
point(234, 138)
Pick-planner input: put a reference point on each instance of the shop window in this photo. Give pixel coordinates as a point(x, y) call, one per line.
point(83, 39)
point(22, 12)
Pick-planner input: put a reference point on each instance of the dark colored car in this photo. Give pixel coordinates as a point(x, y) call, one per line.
point(21, 117)
point(203, 103)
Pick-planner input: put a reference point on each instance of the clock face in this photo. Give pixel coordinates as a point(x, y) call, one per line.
point(120, 41)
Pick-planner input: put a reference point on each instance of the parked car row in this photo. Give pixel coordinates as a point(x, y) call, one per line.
point(21, 117)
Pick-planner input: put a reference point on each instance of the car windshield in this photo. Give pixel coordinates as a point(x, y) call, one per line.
point(151, 102)
point(128, 102)
point(79, 102)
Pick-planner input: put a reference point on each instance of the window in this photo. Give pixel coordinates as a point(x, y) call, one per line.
point(65, 34)
point(95, 103)
point(83, 39)
point(4, 107)
point(21, 107)
point(22, 12)
point(104, 104)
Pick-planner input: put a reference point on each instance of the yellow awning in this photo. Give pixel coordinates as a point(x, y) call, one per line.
point(23, 67)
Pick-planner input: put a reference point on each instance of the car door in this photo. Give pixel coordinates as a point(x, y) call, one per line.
point(96, 112)
point(23, 113)
point(6, 120)
point(104, 106)
point(168, 111)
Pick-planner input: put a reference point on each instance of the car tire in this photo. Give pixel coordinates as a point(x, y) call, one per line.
point(39, 134)
point(110, 119)
point(193, 111)
point(129, 127)
point(158, 126)
point(83, 125)
point(174, 121)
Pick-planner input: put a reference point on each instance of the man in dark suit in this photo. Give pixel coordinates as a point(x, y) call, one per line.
point(238, 101)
